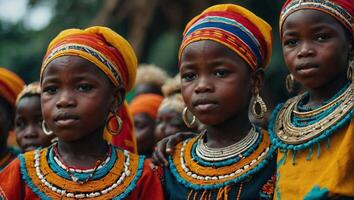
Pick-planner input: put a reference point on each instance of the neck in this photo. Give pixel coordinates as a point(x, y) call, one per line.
point(319, 95)
point(84, 152)
point(230, 131)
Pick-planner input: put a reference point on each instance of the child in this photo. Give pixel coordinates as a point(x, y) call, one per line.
point(84, 77)
point(10, 86)
point(169, 116)
point(315, 130)
point(144, 110)
point(221, 58)
point(28, 119)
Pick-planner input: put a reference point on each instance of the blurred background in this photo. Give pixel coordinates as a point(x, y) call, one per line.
point(153, 27)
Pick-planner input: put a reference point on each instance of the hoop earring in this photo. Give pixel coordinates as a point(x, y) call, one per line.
point(191, 124)
point(119, 123)
point(289, 83)
point(263, 107)
point(45, 130)
point(350, 71)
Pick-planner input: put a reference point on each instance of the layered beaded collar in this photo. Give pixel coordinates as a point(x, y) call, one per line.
point(294, 127)
point(199, 174)
point(115, 178)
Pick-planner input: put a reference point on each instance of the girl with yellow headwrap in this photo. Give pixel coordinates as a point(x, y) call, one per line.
point(84, 77)
point(221, 61)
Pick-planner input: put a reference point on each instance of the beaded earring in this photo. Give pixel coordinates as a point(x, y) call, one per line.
point(45, 130)
point(114, 131)
point(191, 124)
point(263, 107)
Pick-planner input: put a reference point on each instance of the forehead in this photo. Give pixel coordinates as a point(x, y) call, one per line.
point(29, 102)
point(73, 66)
point(310, 16)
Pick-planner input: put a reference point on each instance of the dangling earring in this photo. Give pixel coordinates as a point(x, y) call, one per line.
point(119, 123)
point(289, 83)
point(350, 71)
point(45, 130)
point(263, 107)
point(185, 119)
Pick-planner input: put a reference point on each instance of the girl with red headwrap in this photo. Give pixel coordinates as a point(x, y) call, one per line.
point(84, 77)
point(315, 130)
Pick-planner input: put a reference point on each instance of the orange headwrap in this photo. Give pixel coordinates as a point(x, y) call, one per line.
point(146, 103)
point(112, 54)
point(10, 85)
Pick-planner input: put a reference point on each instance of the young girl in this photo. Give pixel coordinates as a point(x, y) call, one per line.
point(84, 76)
point(223, 52)
point(315, 130)
point(10, 86)
point(28, 119)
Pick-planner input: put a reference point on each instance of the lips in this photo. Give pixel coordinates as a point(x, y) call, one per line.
point(306, 68)
point(30, 147)
point(65, 119)
point(204, 105)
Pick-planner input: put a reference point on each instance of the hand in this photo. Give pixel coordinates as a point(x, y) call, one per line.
point(166, 146)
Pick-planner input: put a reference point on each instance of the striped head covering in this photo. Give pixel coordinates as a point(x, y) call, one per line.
point(113, 55)
point(342, 10)
point(235, 27)
point(10, 85)
point(146, 103)
point(29, 90)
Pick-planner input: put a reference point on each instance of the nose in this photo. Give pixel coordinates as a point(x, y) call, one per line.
point(30, 131)
point(306, 50)
point(66, 99)
point(203, 85)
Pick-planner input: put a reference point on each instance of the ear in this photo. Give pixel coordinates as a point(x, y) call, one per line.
point(257, 80)
point(118, 99)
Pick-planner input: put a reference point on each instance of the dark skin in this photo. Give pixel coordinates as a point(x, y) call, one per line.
point(169, 122)
point(316, 49)
point(147, 89)
point(28, 127)
point(217, 86)
point(5, 126)
point(144, 127)
point(76, 100)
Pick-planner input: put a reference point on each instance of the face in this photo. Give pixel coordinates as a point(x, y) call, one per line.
point(315, 48)
point(144, 127)
point(28, 127)
point(216, 82)
point(76, 98)
point(169, 122)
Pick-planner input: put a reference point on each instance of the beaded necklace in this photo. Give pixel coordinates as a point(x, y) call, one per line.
point(114, 178)
point(198, 174)
point(294, 127)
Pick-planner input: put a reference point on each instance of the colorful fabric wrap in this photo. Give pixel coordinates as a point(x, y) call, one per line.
point(112, 54)
point(342, 10)
point(146, 103)
point(235, 27)
point(10, 85)
point(30, 89)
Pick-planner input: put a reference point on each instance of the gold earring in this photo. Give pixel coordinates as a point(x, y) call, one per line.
point(350, 71)
point(114, 131)
point(45, 130)
point(289, 83)
point(263, 107)
point(185, 119)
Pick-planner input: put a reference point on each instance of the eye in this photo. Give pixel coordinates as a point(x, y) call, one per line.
point(50, 90)
point(221, 73)
point(188, 76)
point(84, 87)
point(290, 42)
point(321, 37)
point(19, 124)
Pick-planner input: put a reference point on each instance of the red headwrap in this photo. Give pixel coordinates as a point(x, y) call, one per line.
point(146, 103)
